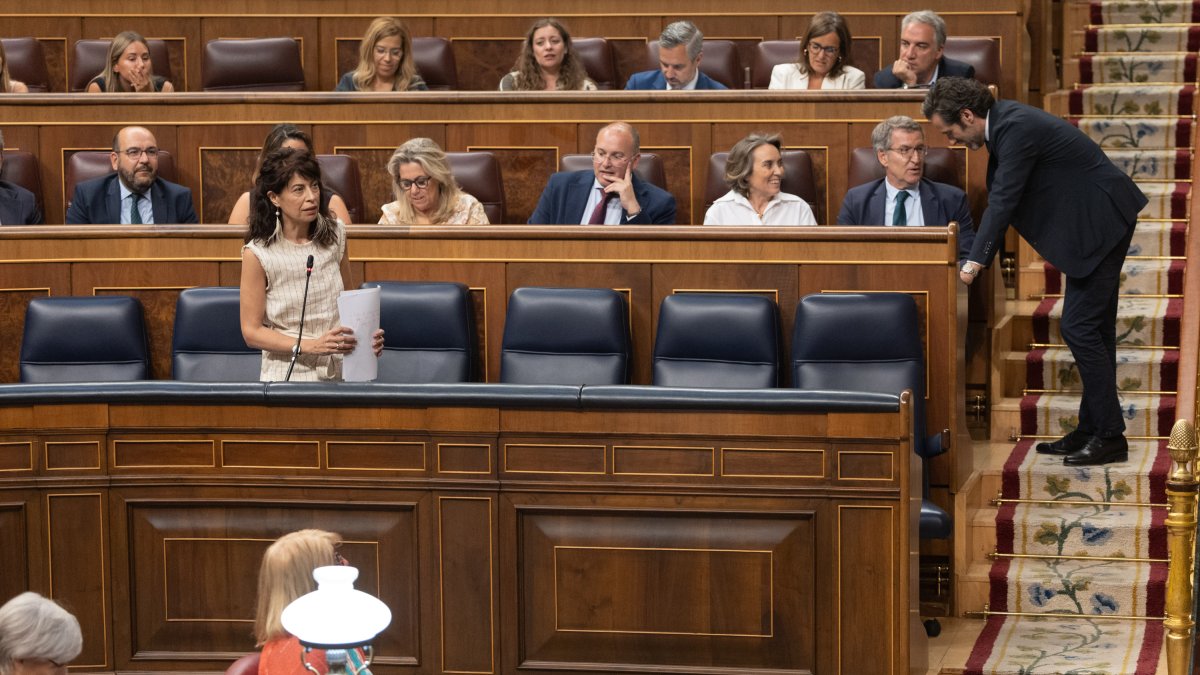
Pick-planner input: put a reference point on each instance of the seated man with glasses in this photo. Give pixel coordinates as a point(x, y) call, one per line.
point(904, 197)
point(611, 194)
point(133, 194)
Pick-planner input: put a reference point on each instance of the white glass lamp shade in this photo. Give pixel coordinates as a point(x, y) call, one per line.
point(335, 616)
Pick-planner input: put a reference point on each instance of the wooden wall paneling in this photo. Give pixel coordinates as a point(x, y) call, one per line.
point(489, 298)
point(17, 546)
point(182, 36)
point(777, 282)
point(340, 37)
point(193, 556)
point(598, 579)
point(13, 301)
point(24, 138)
point(156, 285)
point(482, 62)
point(866, 589)
point(372, 145)
point(57, 35)
point(468, 565)
point(303, 29)
point(630, 279)
point(79, 574)
point(528, 155)
point(482, 7)
point(56, 144)
point(226, 161)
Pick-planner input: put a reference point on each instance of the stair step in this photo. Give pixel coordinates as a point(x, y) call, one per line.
point(1116, 132)
point(1138, 370)
point(1053, 415)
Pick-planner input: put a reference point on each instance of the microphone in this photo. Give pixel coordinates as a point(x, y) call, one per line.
point(303, 308)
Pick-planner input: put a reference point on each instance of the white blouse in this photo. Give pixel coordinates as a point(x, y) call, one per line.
point(788, 76)
point(783, 209)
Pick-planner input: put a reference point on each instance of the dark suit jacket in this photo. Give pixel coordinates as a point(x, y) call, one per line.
point(18, 206)
point(1057, 187)
point(886, 79)
point(566, 196)
point(653, 79)
point(98, 202)
point(940, 204)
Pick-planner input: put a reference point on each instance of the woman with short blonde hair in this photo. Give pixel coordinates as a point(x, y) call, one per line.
point(425, 190)
point(128, 68)
point(754, 173)
point(385, 60)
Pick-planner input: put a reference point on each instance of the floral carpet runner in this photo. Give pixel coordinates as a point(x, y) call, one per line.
point(1086, 546)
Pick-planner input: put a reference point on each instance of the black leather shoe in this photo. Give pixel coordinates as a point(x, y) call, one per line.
point(1099, 451)
point(1065, 445)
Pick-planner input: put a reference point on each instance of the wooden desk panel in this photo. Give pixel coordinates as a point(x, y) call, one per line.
point(512, 569)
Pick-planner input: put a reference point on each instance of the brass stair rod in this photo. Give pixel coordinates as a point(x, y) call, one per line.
point(1181, 537)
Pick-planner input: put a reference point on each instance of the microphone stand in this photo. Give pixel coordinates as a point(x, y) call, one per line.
point(303, 308)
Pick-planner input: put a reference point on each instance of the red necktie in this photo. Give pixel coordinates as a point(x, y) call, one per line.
point(599, 212)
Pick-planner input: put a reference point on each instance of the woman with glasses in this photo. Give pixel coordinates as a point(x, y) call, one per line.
point(37, 636)
point(824, 50)
point(754, 174)
point(285, 575)
point(425, 189)
point(128, 68)
point(385, 60)
point(289, 136)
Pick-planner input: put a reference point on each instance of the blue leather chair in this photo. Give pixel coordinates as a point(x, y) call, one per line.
point(565, 336)
point(428, 332)
point(870, 342)
point(84, 339)
point(207, 345)
point(717, 340)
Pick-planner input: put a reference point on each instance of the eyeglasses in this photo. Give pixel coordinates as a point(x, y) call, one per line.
point(421, 182)
point(338, 559)
point(829, 51)
point(616, 157)
point(135, 153)
point(907, 152)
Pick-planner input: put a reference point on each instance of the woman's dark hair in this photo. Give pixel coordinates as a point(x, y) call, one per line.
point(823, 23)
point(571, 74)
point(280, 134)
point(274, 175)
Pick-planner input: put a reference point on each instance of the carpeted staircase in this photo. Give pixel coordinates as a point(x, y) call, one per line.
point(1078, 583)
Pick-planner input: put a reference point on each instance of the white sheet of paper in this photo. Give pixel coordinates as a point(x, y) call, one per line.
point(359, 311)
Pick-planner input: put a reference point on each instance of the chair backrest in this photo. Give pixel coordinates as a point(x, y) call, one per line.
point(252, 64)
point(860, 342)
point(565, 336)
point(649, 168)
point(767, 55)
point(478, 173)
point(798, 179)
point(981, 52)
point(21, 168)
point(941, 166)
point(597, 57)
point(721, 62)
point(84, 339)
point(434, 58)
point(27, 63)
point(247, 665)
point(340, 172)
point(207, 343)
point(85, 165)
point(717, 340)
point(90, 58)
point(429, 332)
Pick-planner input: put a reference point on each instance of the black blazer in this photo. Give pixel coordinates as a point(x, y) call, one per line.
point(566, 196)
point(98, 202)
point(18, 206)
point(940, 204)
point(1057, 187)
point(886, 79)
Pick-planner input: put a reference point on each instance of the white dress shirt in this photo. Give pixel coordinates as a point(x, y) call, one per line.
point(783, 209)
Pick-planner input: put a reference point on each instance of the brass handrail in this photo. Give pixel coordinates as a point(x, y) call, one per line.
point(1181, 535)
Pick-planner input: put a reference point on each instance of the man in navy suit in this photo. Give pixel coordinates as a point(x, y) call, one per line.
point(610, 194)
point(900, 146)
point(679, 52)
point(921, 63)
point(18, 206)
point(1075, 208)
point(134, 194)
